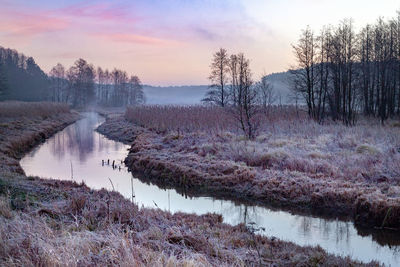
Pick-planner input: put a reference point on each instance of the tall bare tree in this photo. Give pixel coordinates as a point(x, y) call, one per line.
point(217, 93)
point(135, 91)
point(266, 93)
point(81, 82)
point(245, 107)
point(304, 76)
point(59, 84)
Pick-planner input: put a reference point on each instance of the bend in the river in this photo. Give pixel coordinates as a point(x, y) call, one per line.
point(81, 154)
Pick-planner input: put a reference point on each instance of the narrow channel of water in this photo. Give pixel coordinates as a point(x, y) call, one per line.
point(76, 153)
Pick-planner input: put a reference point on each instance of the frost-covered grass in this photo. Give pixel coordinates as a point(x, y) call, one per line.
point(366, 152)
point(199, 118)
point(13, 109)
point(62, 223)
point(293, 161)
point(23, 125)
point(53, 223)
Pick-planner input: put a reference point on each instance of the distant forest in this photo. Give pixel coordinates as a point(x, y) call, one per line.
point(82, 84)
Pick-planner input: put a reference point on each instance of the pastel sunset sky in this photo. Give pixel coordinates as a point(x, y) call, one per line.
point(171, 42)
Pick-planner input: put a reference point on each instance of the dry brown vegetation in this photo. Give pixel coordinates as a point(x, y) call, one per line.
point(13, 109)
point(54, 223)
point(352, 171)
point(48, 222)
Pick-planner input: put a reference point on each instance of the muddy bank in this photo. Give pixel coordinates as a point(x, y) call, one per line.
point(179, 160)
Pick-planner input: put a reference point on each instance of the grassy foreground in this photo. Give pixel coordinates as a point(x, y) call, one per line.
point(294, 162)
point(62, 223)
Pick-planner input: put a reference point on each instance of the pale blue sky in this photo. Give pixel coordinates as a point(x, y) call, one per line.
point(171, 42)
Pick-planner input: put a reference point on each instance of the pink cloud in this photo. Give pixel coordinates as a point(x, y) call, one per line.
point(18, 23)
point(137, 38)
point(99, 11)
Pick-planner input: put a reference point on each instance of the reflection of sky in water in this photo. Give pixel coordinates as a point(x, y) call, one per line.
point(83, 149)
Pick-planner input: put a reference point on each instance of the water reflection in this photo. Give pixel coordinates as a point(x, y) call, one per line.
point(78, 152)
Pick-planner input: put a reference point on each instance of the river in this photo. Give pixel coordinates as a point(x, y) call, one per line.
point(79, 153)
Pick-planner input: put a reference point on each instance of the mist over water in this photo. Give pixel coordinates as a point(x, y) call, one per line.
point(77, 152)
point(193, 94)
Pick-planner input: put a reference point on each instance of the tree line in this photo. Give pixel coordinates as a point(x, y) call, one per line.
point(234, 89)
point(20, 77)
point(81, 84)
point(342, 73)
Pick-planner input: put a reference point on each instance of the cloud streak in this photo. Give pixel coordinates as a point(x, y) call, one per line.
point(147, 36)
point(18, 23)
point(136, 39)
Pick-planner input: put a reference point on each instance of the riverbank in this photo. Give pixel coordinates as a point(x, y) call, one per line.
point(295, 163)
point(50, 222)
point(25, 125)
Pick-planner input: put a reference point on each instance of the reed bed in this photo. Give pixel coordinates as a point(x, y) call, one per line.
point(13, 109)
point(203, 118)
point(63, 223)
point(294, 161)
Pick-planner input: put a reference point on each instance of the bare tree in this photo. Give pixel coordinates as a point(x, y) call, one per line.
point(3, 81)
point(81, 82)
point(245, 107)
point(59, 84)
point(135, 93)
point(266, 93)
point(218, 77)
point(342, 58)
point(304, 77)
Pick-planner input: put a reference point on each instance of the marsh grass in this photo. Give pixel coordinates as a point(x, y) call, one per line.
point(63, 223)
point(293, 161)
point(72, 225)
point(14, 109)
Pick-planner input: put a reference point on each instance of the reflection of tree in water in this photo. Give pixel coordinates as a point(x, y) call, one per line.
point(240, 213)
point(79, 139)
point(340, 229)
point(57, 145)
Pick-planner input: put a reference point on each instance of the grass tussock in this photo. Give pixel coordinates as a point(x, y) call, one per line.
point(293, 161)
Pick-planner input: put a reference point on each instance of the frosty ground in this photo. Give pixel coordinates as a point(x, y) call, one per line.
point(52, 223)
point(293, 162)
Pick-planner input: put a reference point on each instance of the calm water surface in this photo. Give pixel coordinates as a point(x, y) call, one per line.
point(76, 153)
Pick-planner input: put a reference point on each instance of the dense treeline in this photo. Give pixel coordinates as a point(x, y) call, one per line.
point(81, 85)
point(341, 73)
point(116, 88)
point(20, 77)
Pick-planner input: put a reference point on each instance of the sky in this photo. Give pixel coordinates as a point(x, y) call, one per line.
point(171, 42)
